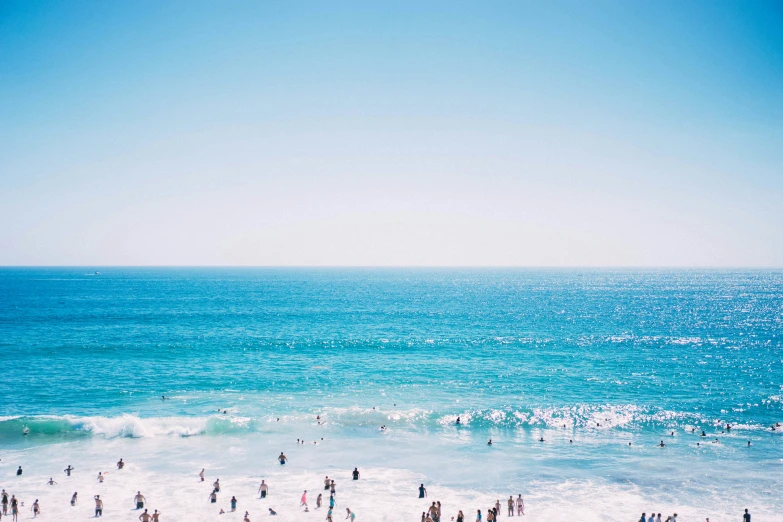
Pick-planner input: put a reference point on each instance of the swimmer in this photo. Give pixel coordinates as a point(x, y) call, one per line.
point(282, 458)
point(422, 491)
point(716, 441)
point(541, 439)
point(728, 427)
point(51, 482)
point(263, 489)
point(155, 516)
point(748, 443)
point(98, 506)
point(629, 443)
point(68, 470)
point(662, 445)
point(233, 503)
point(489, 442)
point(139, 500)
point(19, 471)
point(247, 517)
point(458, 420)
point(356, 473)
point(570, 441)
point(350, 515)
point(201, 474)
point(120, 464)
point(74, 498)
point(272, 511)
point(145, 517)
point(221, 512)
point(703, 434)
point(303, 500)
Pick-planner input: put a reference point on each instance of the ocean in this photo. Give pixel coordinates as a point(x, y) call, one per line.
point(603, 365)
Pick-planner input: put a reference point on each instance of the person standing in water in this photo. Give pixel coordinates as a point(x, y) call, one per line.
point(4, 502)
point(156, 516)
point(98, 506)
point(520, 505)
point(15, 508)
point(478, 515)
point(201, 474)
point(139, 500)
point(356, 473)
point(68, 470)
point(74, 498)
point(120, 464)
point(422, 491)
point(746, 516)
point(216, 485)
point(36, 509)
point(213, 497)
point(263, 489)
point(100, 477)
point(303, 500)
point(318, 500)
point(51, 482)
point(510, 505)
point(282, 458)
point(233, 503)
point(327, 482)
point(333, 489)
point(145, 517)
point(350, 514)
point(19, 471)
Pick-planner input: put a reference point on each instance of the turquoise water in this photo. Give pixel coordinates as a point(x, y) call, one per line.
point(602, 358)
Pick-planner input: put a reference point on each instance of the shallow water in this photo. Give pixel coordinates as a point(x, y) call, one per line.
point(601, 358)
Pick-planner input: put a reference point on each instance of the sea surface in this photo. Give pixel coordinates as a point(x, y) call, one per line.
point(248, 358)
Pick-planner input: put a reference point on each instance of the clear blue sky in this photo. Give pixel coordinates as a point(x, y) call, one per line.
point(645, 133)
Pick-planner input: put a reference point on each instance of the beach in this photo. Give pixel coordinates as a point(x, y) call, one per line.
point(252, 360)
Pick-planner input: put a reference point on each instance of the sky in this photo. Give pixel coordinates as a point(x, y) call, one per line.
point(391, 133)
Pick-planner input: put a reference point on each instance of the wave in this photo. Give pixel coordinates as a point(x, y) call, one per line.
point(126, 425)
point(626, 417)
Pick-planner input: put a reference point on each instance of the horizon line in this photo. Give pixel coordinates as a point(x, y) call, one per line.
point(536, 267)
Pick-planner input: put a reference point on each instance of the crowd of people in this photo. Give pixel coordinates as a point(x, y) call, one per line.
point(11, 501)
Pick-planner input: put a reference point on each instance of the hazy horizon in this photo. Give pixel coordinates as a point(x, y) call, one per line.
point(445, 134)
